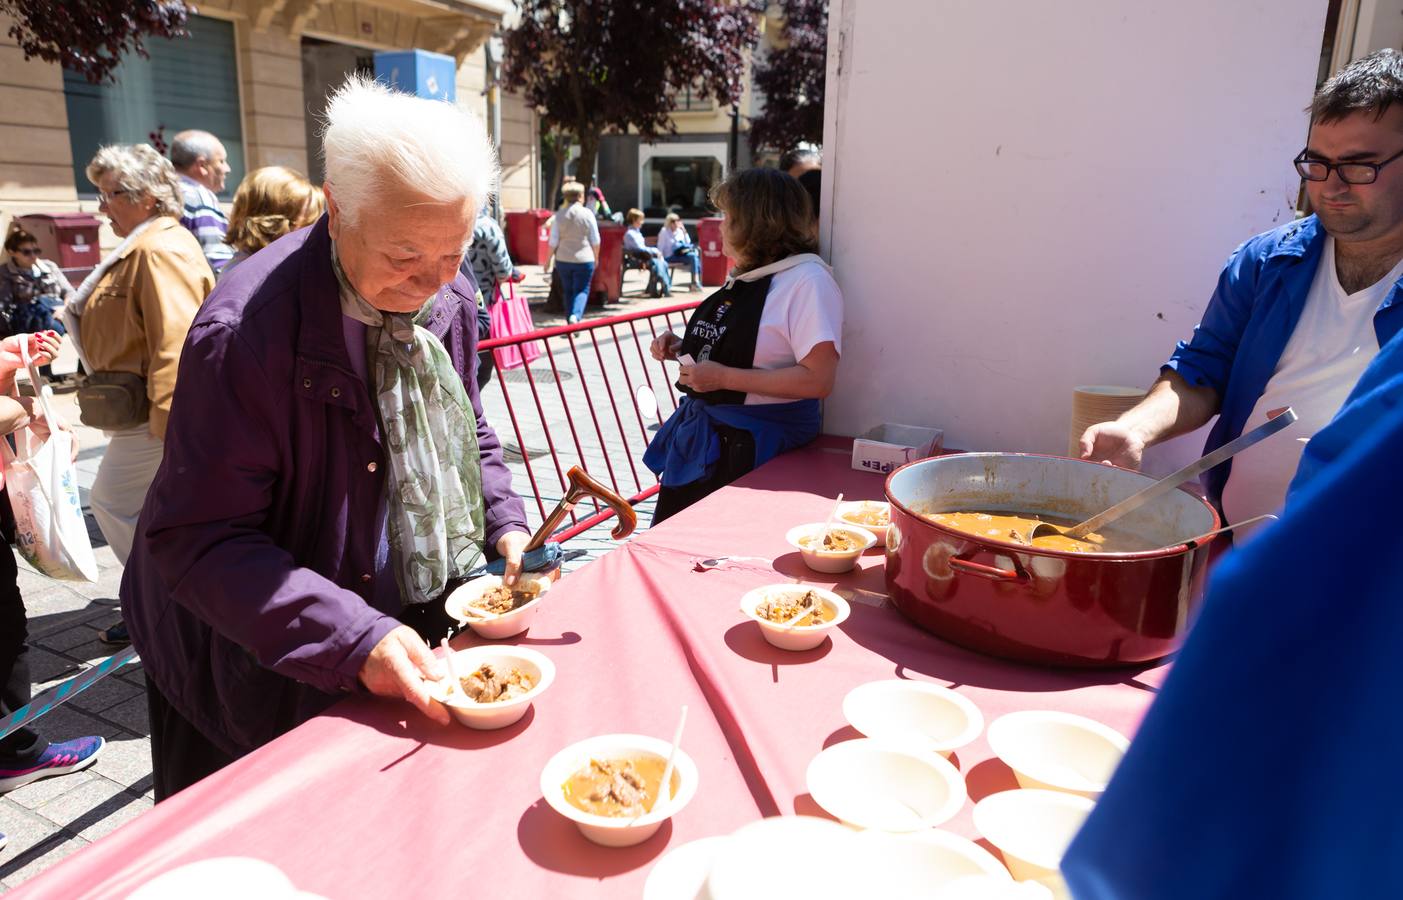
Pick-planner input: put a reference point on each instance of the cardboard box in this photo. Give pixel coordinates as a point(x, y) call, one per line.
point(888, 446)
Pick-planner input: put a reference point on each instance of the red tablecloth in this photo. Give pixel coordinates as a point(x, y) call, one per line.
point(371, 799)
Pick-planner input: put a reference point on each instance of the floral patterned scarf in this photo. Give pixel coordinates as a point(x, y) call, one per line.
point(429, 432)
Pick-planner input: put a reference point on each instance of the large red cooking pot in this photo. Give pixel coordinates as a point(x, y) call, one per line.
point(1035, 605)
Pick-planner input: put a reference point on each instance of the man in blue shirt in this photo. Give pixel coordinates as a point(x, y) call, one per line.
point(1299, 311)
point(1264, 767)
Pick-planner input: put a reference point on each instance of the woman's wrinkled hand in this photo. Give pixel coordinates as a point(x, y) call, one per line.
point(511, 546)
point(704, 377)
point(401, 666)
point(665, 346)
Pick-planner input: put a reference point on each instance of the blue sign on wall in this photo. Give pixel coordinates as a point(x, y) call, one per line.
point(418, 72)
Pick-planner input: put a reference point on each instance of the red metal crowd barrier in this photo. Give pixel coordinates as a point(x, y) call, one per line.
point(596, 399)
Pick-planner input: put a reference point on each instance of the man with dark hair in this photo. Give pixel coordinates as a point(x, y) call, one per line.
point(1299, 311)
point(800, 160)
point(203, 165)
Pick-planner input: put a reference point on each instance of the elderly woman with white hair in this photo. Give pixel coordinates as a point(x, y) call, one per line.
point(128, 321)
point(328, 473)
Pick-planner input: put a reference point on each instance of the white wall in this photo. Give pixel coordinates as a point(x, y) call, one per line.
point(1025, 196)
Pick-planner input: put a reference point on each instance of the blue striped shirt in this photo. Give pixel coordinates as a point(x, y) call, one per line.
point(206, 221)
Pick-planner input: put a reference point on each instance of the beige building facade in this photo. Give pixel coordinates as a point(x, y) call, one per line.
point(267, 64)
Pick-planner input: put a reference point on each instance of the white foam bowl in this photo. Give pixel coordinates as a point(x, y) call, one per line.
point(915, 714)
point(487, 716)
point(506, 625)
point(868, 784)
point(857, 508)
point(830, 561)
point(1031, 828)
point(682, 872)
point(762, 861)
point(797, 637)
point(617, 831)
point(1058, 751)
point(910, 866)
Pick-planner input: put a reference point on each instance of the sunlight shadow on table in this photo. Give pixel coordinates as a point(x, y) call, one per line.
point(805, 805)
point(553, 842)
point(989, 777)
point(745, 640)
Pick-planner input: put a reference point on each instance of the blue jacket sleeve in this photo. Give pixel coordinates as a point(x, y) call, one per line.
point(1206, 359)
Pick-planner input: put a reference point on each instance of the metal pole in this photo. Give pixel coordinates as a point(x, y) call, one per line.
point(733, 153)
point(493, 58)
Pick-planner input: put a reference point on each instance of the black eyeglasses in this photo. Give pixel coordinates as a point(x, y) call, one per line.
point(27, 251)
point(1349, 172)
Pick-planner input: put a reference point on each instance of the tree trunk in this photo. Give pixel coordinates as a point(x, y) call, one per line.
point(589, 151)
point(557, 175)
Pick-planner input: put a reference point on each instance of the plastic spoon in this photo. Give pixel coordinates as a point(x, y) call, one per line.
point(664, 792)
point(832, 514)
point(455, 684)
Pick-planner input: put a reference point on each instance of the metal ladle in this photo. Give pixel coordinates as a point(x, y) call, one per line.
point(1276, 421)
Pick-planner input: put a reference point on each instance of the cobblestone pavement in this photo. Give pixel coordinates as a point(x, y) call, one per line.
point(52, 819)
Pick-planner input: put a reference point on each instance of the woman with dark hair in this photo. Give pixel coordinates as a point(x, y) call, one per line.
point(758, 354)
point(31, 288)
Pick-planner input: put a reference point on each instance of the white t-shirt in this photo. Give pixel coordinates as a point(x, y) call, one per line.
point(804, 308)
point(1333, 343)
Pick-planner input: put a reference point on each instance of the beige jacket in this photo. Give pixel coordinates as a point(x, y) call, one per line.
point(139, 313)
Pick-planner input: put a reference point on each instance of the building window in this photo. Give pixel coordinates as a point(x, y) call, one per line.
point(679, 184)
point(686, 100)
point(190, 82)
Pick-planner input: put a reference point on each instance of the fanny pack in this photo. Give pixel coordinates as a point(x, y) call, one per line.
point(113, 401)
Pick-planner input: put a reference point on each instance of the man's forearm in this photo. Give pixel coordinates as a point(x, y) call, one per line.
point(1172, 407)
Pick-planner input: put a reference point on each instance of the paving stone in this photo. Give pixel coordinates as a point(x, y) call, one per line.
point(35, 860)
point(94, 651)
point(24, 829)
point(45, 666)
point(70, 806)
point(131, 715)
point(66, 638)
point(33, 796)
point(126, 760)
point(101, 812)
point(105, 694)
point(109, 579)
point(64, 723)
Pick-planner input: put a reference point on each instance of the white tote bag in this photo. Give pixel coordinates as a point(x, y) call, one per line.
point(49, 529)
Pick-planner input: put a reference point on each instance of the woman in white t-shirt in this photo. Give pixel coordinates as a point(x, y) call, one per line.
point(758, 354)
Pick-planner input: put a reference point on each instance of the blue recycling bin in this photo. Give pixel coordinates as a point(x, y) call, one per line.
point(418, 72)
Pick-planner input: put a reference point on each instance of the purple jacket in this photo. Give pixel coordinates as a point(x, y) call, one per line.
point(252, 591)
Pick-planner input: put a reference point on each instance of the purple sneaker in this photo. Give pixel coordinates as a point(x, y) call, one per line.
point(59, 759)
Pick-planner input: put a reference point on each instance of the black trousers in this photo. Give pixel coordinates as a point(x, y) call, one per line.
point(180, 754)
point(24, 744)
point(737, 458)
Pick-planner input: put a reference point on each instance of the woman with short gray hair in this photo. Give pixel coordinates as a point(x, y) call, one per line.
point(128, 321)
point(329, 473)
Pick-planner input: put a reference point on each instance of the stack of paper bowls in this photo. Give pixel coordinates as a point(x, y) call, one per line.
point(1096, 403)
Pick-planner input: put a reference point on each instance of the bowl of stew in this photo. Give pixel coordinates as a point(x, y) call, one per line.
point(833, 551)
point(611, 787)
point(873, 515)
point(495, 611)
